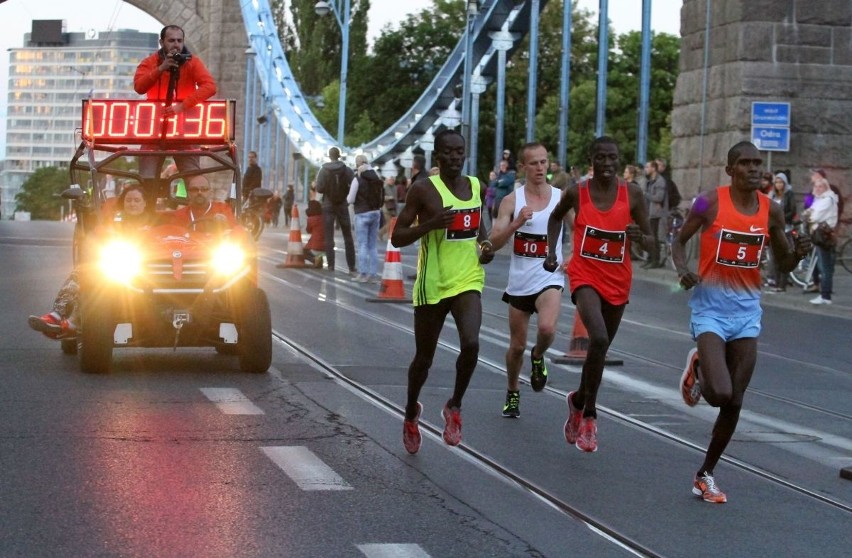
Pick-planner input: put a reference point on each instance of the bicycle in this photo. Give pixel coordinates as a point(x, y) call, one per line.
point(844, 255)
point(251, 213)
point(673, 225)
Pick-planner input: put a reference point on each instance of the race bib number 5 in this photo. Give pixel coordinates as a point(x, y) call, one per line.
point(528, 245)
point(606, 246)
point(739, 249)
point(465, 224)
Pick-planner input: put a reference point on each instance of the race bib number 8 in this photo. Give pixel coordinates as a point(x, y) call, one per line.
point(528, 245)
point(606, 246)
point(739, 249)
point(465, 224)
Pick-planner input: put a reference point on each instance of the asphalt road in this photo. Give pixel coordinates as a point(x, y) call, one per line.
point(180, 454)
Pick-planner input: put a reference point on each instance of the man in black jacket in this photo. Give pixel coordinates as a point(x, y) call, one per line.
point(253, 177)
point(333, 182)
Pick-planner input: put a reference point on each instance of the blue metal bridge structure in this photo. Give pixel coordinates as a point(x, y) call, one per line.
point(493, 33)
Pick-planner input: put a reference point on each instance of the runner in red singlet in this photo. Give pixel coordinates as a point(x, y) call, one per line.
point(610, 213)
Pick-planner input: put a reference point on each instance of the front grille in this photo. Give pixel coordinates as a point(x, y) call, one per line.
point(159, 275)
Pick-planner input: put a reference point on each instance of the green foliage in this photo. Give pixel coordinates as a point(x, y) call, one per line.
point(40, 193)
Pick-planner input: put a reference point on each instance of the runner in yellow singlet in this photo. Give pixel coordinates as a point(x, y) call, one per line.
point(448, 211)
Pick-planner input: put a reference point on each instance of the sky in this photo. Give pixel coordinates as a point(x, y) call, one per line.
point(102, 15)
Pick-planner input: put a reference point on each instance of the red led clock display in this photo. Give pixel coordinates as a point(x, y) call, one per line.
point(140, 121)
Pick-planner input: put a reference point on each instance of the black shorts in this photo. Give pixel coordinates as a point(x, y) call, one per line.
point(526, 303)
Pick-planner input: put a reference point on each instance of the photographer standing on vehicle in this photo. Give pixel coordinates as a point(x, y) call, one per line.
point(174, 75)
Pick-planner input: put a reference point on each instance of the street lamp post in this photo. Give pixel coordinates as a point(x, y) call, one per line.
point(341, 16)
point(472, 11)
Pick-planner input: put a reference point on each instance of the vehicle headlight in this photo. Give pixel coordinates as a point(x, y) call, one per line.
point(228, 259)
point(120, 261)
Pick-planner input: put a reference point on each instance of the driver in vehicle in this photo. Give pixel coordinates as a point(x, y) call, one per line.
point(201, 207)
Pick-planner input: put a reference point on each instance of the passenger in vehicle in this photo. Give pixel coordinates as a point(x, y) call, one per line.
point(59, 323)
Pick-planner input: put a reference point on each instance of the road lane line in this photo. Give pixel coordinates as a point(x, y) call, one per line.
point(392, 551)
point(231, 401)
point(306, 469)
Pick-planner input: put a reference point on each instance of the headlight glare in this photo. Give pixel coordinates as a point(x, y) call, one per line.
point(228, 259)
point(120, 261)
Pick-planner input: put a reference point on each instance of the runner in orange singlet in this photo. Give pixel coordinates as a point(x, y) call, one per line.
point(734, 222)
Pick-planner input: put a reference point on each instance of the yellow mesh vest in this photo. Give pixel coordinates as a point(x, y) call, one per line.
point(448, 261)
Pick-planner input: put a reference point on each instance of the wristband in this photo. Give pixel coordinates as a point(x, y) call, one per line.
point(484, 242)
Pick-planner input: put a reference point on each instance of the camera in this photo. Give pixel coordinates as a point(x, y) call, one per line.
point(181, 57)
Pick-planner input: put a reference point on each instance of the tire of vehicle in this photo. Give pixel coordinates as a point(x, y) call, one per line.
point(229, 349)
point(69, 346)
point(253, 223)
point(254, 327)
point(96, 335)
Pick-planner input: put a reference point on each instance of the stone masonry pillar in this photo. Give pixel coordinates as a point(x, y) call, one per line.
point(796, 51)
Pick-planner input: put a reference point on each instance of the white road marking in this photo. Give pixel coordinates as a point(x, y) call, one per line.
point(231, 401)
point(306, 469)
point(392, 551)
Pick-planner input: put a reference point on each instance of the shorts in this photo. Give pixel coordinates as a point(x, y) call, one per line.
point(728, 328)
point(526, 303)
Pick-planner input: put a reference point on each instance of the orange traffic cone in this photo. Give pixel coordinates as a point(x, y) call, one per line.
point(578, 346)
point(392, 289)
point(295, 249)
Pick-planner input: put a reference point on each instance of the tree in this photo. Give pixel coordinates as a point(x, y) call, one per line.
point(40, 193)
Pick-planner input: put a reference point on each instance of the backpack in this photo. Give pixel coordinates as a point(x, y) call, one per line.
point(373, 190)
point(673, 194)
point(336, 187)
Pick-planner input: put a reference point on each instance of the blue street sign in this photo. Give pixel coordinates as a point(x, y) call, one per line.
point(770, 138)
point(770, 114)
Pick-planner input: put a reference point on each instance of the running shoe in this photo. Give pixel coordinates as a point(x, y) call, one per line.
point(705, 486)
point(452, 428)
point(587, 438)
point(53, 326)
point(575, 416)
point(690, 389)
point(538, 376)
point(512, 407)
point(411, 432)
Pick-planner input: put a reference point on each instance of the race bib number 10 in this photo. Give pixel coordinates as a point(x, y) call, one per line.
point(607, 246)
point(528, 245)
point(465, 224)
point(739, 249)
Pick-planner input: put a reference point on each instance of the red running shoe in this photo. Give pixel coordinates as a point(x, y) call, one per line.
point(705, 486)
point(53, 326)
point(587, 438)
point(411, 432)
point(452, 429)
point(572, 425)
point(690, 389)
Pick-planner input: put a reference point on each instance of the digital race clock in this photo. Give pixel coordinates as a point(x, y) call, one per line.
point(141, 121)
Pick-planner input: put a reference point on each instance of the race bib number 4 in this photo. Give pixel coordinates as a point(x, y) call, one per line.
point(528, 245)
point(465, 224)
point(739, 249)
point(606, 246)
